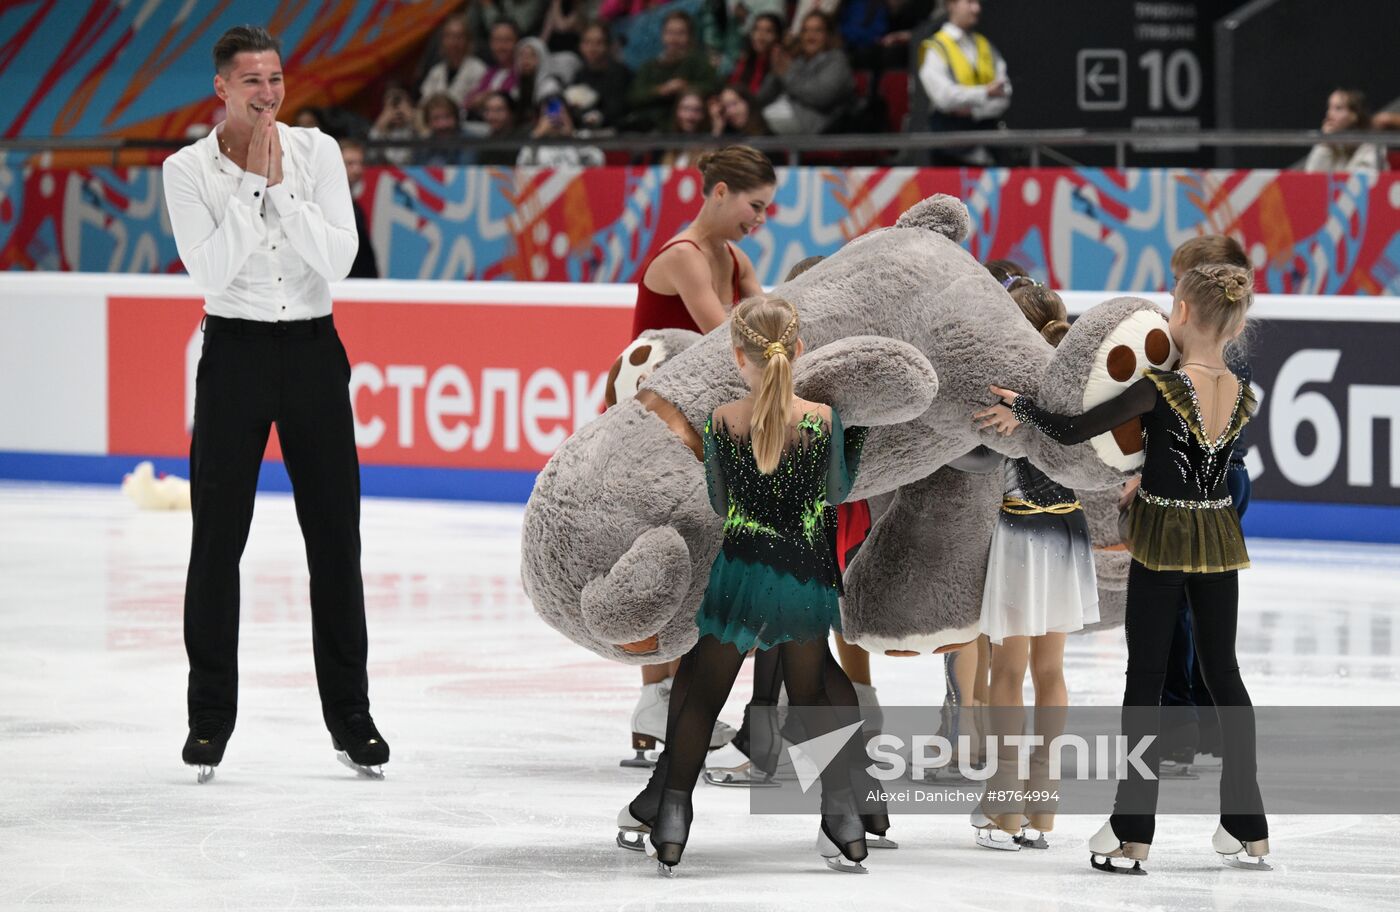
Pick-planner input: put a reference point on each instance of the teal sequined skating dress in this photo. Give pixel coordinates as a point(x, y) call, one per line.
point(776, 579)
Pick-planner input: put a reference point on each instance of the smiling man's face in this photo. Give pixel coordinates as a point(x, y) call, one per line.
point(251, 85)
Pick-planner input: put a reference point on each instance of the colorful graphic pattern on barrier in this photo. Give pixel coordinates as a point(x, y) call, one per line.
point(109, 68)
point(1085, 228)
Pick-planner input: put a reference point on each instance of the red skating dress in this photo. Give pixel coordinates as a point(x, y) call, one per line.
point(667, 311)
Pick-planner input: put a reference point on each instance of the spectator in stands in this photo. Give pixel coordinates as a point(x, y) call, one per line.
point(500, 73)
point(498, 110)
point(965, 78)
point(525, 16)
point(398, 119)
point(877, 32)
point(458, 71)
point(352, 152)
point(599, 90)
point(815, 84)
point(1347, 110)
point(803, 8)
point(309, 117)
point(443, 119)
point(753, 73)
point(538, 73)
point(732, 113)
point(864, 24)
point(554, 120)
point(687, 119)
point(680, 68)
point(726, 25)
point(564, 23)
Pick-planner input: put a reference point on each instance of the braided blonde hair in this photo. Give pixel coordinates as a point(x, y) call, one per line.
point(766, 328)
point(1219, 296)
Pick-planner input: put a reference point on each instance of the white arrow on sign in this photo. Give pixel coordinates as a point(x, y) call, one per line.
point(1097, 78)
point(1103, 78)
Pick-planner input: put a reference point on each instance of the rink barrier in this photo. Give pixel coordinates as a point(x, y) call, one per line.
point(462, 390)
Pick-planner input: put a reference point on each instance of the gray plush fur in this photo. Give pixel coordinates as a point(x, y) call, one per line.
point(1062, 390)
point(944, 325)
point(1110, 559)
point(938, 611)
point(934, 214)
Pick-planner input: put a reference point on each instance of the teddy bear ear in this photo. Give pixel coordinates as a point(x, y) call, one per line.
point(941, 213)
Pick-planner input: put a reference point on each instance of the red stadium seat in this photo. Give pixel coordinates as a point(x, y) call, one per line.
point(894, 88)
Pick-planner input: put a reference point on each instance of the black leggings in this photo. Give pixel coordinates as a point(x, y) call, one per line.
point(758, 735)
point(815, 682)
point(1153, 597)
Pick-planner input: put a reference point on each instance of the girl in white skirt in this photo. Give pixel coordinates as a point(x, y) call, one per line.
point(1040, 586)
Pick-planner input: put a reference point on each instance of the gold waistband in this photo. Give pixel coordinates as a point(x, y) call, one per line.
point(1018, 507)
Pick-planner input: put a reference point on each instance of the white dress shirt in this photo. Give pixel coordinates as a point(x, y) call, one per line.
point(946, 94)
point(260, 252)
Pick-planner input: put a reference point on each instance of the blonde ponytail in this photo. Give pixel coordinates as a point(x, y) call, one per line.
point(767, 328)
point(770, 412)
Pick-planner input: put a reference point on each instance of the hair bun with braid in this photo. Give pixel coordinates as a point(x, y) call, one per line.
point(1219, 296)
point(1232, 281)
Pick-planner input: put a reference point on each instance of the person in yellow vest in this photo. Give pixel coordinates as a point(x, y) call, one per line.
point(965, 80)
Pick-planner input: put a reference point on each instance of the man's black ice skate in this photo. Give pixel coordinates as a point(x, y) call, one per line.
point(205, 745)
point(359, 744)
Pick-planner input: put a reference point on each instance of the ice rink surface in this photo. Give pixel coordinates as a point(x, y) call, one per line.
point(504, 782)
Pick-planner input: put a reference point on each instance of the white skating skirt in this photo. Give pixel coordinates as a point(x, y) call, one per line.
point(1040, 576)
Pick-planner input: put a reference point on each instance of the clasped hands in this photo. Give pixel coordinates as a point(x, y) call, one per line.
point(265, 149)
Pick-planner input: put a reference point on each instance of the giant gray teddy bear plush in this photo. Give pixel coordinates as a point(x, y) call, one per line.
point(905, 332)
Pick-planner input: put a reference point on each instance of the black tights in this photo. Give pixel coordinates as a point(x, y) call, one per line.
point(815, 682)
point(758, 736)
point(1153, 597)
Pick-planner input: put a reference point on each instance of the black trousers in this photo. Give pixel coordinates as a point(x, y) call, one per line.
point(1153, 599)
point(1184, 686)
point(295, 375)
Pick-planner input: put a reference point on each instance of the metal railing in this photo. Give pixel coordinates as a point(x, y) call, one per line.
point(1039, 144)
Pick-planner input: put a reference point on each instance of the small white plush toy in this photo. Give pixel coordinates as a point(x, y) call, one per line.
point(168, 492)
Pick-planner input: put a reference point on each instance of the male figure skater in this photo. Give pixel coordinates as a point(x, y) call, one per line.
point(263, 221)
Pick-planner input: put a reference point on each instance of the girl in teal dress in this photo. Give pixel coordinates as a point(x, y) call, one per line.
point(775, 464)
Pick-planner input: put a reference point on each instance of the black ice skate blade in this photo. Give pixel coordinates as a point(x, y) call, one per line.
point(641, 761)
point(365, 772)
point(1026, 842)
point(1109, 867)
